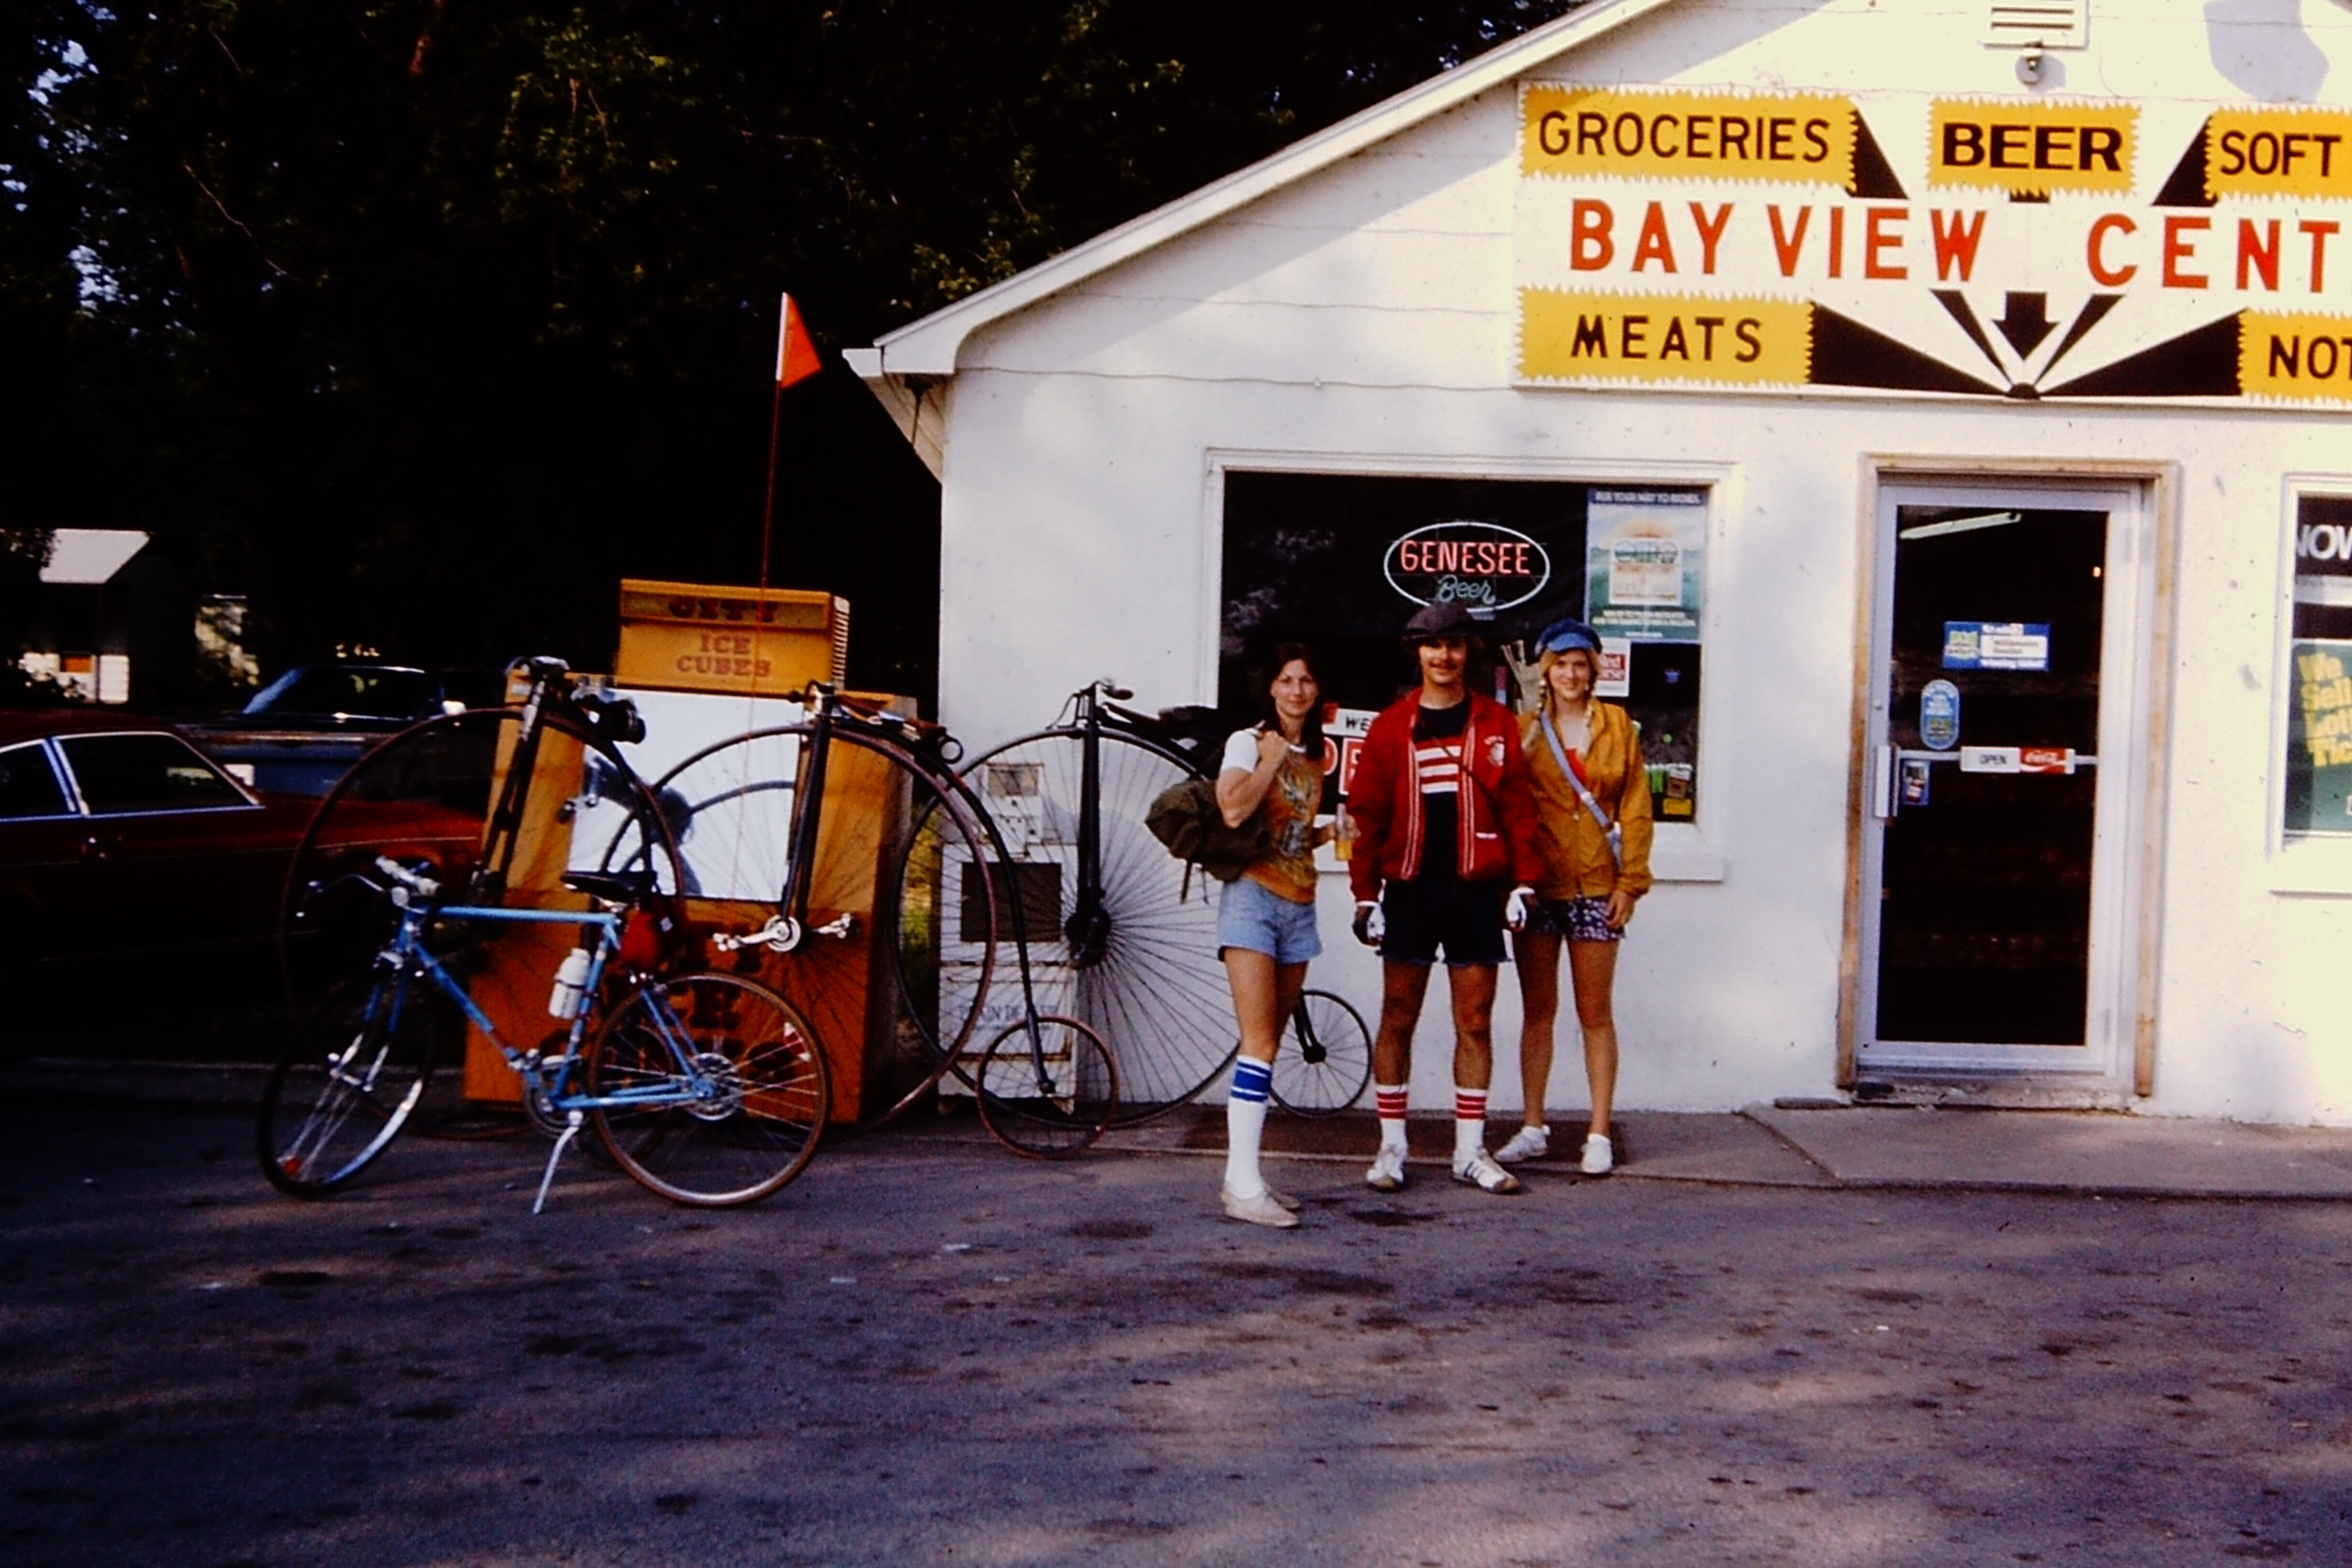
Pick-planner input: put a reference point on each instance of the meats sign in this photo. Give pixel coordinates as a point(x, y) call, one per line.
point(2025, 249)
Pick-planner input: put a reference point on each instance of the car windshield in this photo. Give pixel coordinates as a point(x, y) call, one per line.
point(356, 692)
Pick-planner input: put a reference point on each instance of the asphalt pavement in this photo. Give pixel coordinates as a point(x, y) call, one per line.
point(926, 1351)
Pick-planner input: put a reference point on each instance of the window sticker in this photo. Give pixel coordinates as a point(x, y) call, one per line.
point(1939, 715)
point(1997, 645)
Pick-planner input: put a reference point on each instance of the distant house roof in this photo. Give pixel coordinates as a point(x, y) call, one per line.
point(91, 554)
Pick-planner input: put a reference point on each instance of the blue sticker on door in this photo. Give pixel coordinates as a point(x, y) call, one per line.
point(1939, 715)
point(1996, 645)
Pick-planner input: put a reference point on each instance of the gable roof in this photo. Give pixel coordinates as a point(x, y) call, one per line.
point(926, 348)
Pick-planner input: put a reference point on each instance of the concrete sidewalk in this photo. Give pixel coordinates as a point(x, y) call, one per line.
point(2109, 1154)
point(1879, 1147)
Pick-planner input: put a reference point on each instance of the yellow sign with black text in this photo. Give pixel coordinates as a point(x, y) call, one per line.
point(2301, 357)
point(2278, 153)
point(2032, 149)
point(1796, 138)
point(1663, 337)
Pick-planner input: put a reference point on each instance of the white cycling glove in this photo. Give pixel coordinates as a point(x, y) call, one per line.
point(1515, 911)
point(1371, 924)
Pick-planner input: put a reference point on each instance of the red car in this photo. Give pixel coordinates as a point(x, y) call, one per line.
point(118, 836)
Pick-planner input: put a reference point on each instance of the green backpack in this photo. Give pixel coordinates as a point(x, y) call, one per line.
point(1185, 818)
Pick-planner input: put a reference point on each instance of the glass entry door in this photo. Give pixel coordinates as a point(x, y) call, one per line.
point(1998, 763)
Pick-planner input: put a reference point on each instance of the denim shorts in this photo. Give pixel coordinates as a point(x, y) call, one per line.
point(1578, 920)
point(1250, 917)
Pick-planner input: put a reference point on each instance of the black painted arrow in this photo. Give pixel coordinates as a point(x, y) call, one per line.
point(2027, 322)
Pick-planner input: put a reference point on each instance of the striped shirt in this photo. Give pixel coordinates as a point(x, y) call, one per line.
point(1437, 743)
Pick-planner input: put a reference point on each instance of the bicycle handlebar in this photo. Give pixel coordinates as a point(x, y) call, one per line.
point(423, 887)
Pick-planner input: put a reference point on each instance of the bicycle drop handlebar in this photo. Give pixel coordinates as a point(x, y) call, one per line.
point(423, 887)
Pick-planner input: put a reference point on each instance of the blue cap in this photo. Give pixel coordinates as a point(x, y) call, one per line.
point(1563, 636)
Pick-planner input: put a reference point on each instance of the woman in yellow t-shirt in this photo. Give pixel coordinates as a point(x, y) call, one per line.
point(1593, 834)
point(1265, 918)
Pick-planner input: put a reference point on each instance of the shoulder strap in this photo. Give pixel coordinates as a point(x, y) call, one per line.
point(1610, 830)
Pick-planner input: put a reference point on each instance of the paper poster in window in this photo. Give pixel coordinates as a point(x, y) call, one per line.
point(1643, 557)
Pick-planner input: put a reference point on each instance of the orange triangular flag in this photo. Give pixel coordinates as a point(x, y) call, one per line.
point(796, 356)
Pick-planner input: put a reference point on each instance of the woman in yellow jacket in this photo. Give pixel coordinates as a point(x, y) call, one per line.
point(1592, 814)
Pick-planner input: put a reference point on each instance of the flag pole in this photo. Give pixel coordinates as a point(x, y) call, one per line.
point(775, 441)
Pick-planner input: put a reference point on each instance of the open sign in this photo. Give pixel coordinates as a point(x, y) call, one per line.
point(1482, 566)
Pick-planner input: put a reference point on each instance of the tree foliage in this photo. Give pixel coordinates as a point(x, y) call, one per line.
point(420, 322)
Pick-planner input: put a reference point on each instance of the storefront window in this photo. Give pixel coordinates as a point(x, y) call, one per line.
point(2319, 699)
point(1342, 561)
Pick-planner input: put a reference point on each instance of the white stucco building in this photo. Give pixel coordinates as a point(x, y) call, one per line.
point(1947, 402)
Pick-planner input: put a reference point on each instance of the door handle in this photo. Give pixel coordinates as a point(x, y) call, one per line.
point(95, 846)
point(1883, 764)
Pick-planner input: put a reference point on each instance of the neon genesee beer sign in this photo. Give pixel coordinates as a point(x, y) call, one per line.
point(1482, 566)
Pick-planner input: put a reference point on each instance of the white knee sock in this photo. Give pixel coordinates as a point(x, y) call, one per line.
point(1469, 1122)
point(1244, 1122)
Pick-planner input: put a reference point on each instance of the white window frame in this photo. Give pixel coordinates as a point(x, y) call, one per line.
point(1680, 851)
point(2307, 867)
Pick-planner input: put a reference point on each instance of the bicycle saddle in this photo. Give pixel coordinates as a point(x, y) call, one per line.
point(615, 887)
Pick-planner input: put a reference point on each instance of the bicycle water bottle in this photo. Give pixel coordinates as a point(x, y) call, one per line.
point(570, 993)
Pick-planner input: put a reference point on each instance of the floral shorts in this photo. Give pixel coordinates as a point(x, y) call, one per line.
point(1578, 920)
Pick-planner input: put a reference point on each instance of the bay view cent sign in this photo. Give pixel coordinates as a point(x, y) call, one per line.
point(2024, 248)
point(1484, 567)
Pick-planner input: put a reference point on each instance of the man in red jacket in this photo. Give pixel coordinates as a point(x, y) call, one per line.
point(1444, 858)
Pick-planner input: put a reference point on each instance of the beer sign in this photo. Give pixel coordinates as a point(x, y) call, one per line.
point(1484, 567)
point(2028, 248)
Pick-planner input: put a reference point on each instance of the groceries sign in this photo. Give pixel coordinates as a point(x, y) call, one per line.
point(2025, 249)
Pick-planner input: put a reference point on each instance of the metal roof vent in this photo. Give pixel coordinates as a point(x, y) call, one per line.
point(2038, 25)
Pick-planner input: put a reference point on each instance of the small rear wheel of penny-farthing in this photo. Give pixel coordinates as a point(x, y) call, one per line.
point(1047, 1092)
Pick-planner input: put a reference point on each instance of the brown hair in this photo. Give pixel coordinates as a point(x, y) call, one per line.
point(1310, 734)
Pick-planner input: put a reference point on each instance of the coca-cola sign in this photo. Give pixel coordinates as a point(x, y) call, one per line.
point(1484, 567)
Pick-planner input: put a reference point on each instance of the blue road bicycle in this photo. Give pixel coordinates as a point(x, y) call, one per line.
point(707, 1087)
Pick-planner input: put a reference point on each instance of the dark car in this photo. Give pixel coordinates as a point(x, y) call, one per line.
point(304, 729)
point(119, 836)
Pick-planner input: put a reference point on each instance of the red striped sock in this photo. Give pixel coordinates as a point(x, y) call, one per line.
point(1389, 1099)
point(1469, 1123)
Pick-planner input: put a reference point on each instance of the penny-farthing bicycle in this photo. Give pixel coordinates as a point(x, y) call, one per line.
point(912, 842)
point(1124, 936)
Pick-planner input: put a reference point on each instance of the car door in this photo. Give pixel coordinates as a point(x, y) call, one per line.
point(177, 854)
point(42, 872)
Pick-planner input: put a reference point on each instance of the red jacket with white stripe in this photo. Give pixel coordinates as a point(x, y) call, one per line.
point(1494, 821)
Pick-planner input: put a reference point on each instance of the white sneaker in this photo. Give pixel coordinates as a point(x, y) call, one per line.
point(1282, 1198)
point(1600, 1158)
point(1387, 1174)
point(1481, 1172)
point(1527, 1143)
point(1259, 1210)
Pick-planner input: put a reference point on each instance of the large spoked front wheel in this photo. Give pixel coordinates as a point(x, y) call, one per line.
point(723, 1089)
point(1325, 1059)
point(346, 1083)
point(1047, 1094)
point(1138, 964)
point(897, 897)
